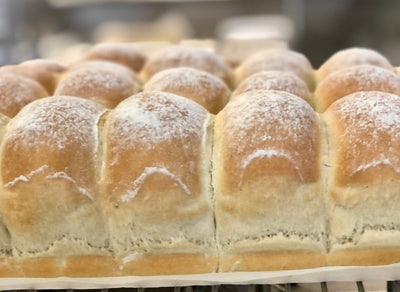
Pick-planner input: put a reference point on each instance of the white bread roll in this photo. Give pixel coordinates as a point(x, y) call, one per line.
point(352, 79)
point(275, 80)
point(157, 185)
point(49, 174)
point(204, 88)
point(349, 58)
point(126, 54)
point(16, 91)
point(269, 206)
point(363, 201)
point(185, 56)
point(42, 71)
point(277, 60)
point(103, 82)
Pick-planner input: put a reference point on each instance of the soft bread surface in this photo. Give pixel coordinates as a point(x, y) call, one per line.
point(156, 179)
point(103, 82)
point(363, 201)
point(277, 60)
point(122, 53)
point(352, 57)
point(185, 56)
point(275, 80)
point(204, 88)
point(266, 177)
point(16, 91)
point(353, 79)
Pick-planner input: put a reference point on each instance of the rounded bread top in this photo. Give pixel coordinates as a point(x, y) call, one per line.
point(123, 53)
point(352, 57)
point(100, 81)
point(202, 87)
point(186, 56)
point(277, 60)
point(353, 79)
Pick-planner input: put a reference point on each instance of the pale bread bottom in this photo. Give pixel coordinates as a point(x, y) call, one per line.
point(271, 261)
point(364, 256)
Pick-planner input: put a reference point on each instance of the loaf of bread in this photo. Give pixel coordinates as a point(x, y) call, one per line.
point(102, 179)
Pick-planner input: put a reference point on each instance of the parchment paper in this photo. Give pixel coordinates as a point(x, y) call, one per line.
point(341, 274)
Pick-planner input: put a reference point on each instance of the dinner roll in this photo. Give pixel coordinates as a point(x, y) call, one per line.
point(16, 91)
point(363, 201)
point(185, 56)
point(269, 206)
point(202, 87)
point(123, 53)
point(156, 181)
point(49, 201)
point(277, 60)
point(103, 82)
point(275, 80)
point(353, 79)
point(352, 57)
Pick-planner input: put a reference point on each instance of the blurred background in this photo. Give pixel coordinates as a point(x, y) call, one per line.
point(317, 28)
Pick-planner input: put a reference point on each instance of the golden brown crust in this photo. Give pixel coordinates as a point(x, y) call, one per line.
point(357, 78)
point(352, 57)
point(184, 56)
point(275, 80)
point(90, 266)
point(275, 260)
point(364, 129)
point(364, 256)
point(257, 116)
point(170, 264)
point(16, 91)
point(44, 72)
point(277, 60)
point(122, 53)
point(204, 88)
point(103, 82)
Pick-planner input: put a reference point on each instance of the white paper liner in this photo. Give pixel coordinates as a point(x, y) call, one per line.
point(326, 274)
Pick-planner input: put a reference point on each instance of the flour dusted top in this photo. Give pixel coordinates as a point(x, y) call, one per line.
point(154, 136)
point(352, 57)
point(55, 138)
point(278, 60)
point(122, 53)
point(275, 80)
point(186, 56)
point(367, 135)
point(199, 86)
point(17, 91)
point(103, 82)
point(276, 130)
point(357, 78)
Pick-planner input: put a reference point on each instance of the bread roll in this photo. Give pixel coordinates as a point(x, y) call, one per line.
point(16, 91)
point(122, 53)
point(277, 60)
point(103, 82)
point(363, 201)
point(49, 193)
point(275, 80)
point(352, 57)
point(44, 72)
point(156, 181)
point(357, 78)
point(269, 205)
point(185, 56)
point(202, 87)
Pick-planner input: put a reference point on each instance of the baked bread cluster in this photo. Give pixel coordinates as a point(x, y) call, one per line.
point(125, 164)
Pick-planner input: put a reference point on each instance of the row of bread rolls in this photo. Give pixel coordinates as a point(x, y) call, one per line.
point(88, 191)
point(112, 72)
